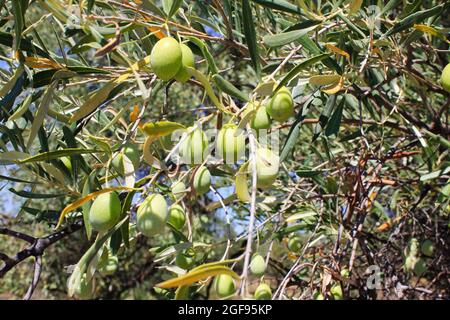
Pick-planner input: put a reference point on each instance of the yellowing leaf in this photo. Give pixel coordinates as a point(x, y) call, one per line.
point(241, 183)
point(134, 114)
point(355, 5)
point(41, 63)
point(197, 275)
point(431, 31)
point(78, 203)
point(338, 51)
point(161, 128)
point(10, 84)
point(157, 32)
point(334, 88)
point(324, 80)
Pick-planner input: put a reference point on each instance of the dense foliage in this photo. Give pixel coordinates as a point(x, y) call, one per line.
point(348, 198)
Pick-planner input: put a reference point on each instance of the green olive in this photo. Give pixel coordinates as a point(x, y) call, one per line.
point(281, 106)
point(294, 244)
point(345, 273)
point(258, 265)
point(420, 267)
point(166, 58)
point(427, 248)
point(188, 60)
point(267, 166)
point(263, 292)
point(84, 290)
point(177, 217)
point(336, 291)
point(152, 215)
point(318, 296)
point(230, 144)
point(179, 189)
point(445, 78)
point(202, 180)
point(193, 148)
point(185, 259)
point(132, 152)
point(261, 120)
point(224, 285)
point(105, 211)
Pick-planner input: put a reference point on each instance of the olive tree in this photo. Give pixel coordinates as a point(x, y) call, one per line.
point(246, 149)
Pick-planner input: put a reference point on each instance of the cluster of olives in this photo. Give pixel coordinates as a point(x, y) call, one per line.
point(416, 255)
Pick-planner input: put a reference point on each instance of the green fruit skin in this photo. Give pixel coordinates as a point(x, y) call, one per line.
point(345, 273)
point(152, 215)
point(294, 244)
point(230, 144)
point(166, 58)
point(281, 106)
point(133, 153)
point(427, 248)
point(184, 261)
point(192, 149)
point(177, 217)
point(188, 60)
point(178, 189)
point(445, 78)
point(224, 285)
point(105, 211)
point(111, 266)
point(84, 290)
point(263, 292)
point(261, 119)
point(318, 296)
point(258, 265)
point(336, 291)
point(202, 180)
point(267, 166)
point(117, 163)
point(420, 267)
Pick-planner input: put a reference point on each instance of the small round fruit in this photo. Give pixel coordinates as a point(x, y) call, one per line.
point(263, 292)
point(84, 290)
point(230, 145)
point(267, 166)
point(336, 291)
point(178, 189)
point(258, 265)
point(281, 106)
point(117, 163)
point(112, 263)
point(445, 78)
point(133, 153)
point(188, 60)
point(427, 248)
point(261, 120)
point(105, 211)
point(294, 244)
point(177, 217)
point(185, 260)
point(345, 273)
point(420, 267)
point(193, 148)
point(202, 180)
point(166, 58)
point(224, 285)
point(152, 215)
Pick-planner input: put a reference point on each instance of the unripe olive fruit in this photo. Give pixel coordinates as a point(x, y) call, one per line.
point(152, 215)
point(336, 291)
point(202, 180)
point(420, 267)
point(177, 217)
point(224, 285)
point(193, 148)
point(294, 244)
point(281, 106)
point(84, 290)
point(345, 273)
point(427, 248)
point(318, 296)
point(187, 60)
point(263, 292)
point(445, 78)
point(112, 263)
point(261, 120)
point(132, 152)
point(178, 189)
point(185, 259)
point(105, 211)
point(267, 166)
point(230, 144)
point(166, 58)
point(258, 265)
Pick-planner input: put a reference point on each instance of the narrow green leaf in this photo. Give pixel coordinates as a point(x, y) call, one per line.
point(46, 156)
point(284, 38)
point(250, 34)
point(229, 88)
